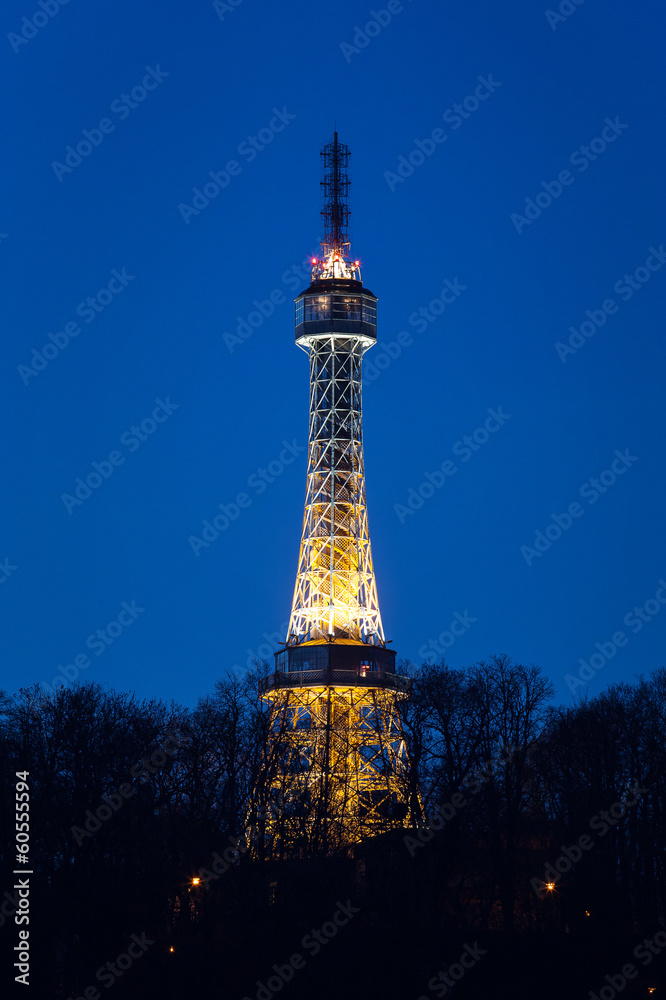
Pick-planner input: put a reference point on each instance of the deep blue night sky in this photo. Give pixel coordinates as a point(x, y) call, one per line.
point(580, 92)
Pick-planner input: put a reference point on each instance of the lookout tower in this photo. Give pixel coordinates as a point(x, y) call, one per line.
point(335, 770)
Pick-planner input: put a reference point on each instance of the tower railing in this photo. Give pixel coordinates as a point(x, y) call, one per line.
point(345, 678)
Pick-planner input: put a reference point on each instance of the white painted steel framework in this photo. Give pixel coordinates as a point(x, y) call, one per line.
point(335, 768)
point(336, 594)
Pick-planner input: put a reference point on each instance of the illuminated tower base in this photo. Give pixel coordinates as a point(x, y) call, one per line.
point(335, 769)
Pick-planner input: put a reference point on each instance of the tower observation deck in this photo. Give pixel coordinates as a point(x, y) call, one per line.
point(336, 768)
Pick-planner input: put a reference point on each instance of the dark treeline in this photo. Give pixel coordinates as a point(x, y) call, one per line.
point(131, 800)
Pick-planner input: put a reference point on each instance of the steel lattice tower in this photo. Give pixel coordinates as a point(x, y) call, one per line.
point(335, 769)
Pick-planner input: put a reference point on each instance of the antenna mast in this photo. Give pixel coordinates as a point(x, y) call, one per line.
point(335, 194)
point(335, 244)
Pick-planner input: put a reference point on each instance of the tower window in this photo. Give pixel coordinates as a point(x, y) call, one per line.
point(346, 307)
point(317, 307)
point(369, 311)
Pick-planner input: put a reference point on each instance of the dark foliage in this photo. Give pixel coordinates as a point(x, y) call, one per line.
point(517, 793)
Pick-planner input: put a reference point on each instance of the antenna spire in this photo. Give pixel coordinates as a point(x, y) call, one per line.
point(335, 245)
point(335, 194)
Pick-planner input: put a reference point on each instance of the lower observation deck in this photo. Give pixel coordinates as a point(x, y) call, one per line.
point(340, 664)
point(335, 678)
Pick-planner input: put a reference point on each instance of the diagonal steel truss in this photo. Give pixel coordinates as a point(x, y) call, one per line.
point(335, 594)
point(335, 771)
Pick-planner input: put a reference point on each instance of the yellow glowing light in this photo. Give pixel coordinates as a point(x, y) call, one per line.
point(651, 989)
point(344, 760)
point(195, 881)
point(550, 886)
point(171, 948)
point(587, 913)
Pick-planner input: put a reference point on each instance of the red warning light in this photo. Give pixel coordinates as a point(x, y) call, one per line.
point(314, 260)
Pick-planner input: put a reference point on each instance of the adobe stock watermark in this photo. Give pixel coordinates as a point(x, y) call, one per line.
point(249, 148)
point(221, 863)
point(274, 642)
point(139, 773)
point(132, 439)
point(30, 26)
point(6, 570)
point(379, 19)
point(563, 12)
point(445, 980)
point(222, 8)
point(97, 642)
point(473, 782)
point(591, 490)
point(122, 108)
point(464, 448)
point(387, 351)
point(458, 627)
point(88, 309)
point(111, 972)
point(635, 620)
point(294, 277)
point(646, 951)
point(581, 158)
point(258, 481)
point(453, 116)
point(625, 287)
point(600, 824)
point(8, 907)
point(312, 943)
